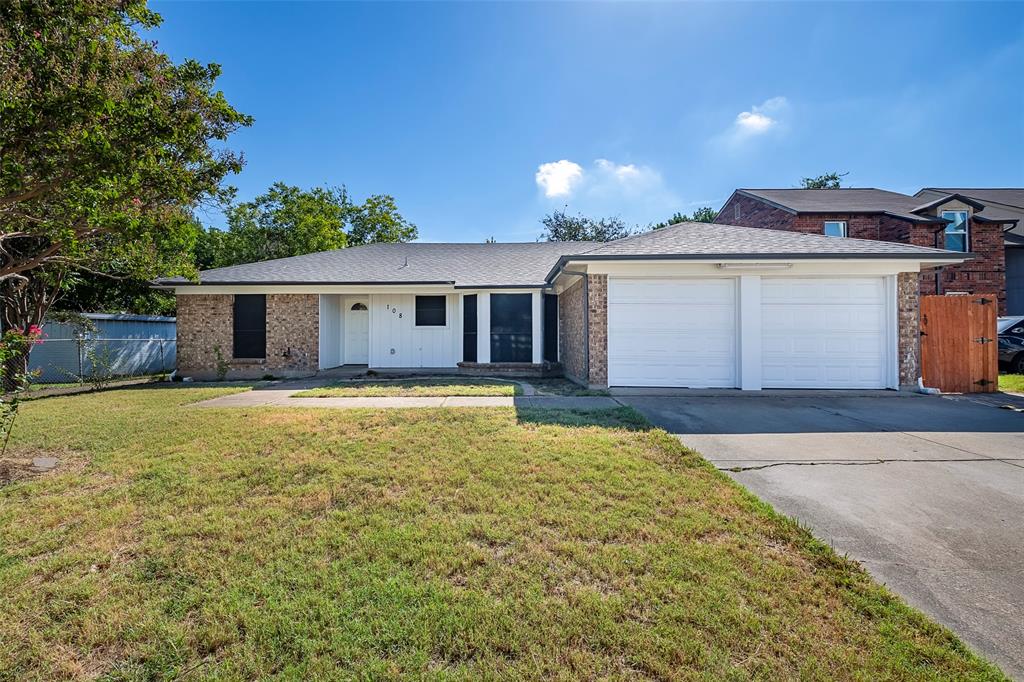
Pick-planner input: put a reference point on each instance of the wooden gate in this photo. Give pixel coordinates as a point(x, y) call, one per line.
point(959, 350)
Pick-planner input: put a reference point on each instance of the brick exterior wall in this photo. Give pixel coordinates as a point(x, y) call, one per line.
point(598, 330)
point(908, 306)
point(985, 274)
point(570, 331)
point(207, 320)
point(747, 212)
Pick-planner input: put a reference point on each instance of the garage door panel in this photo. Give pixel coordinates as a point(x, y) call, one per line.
point(672, 332)
point(656, 317)
point(824, 333)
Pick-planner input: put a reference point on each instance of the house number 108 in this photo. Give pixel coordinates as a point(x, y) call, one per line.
point(394, 310)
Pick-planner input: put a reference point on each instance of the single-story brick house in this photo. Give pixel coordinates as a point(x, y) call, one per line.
point(1006, 204)
point(691, 305)
point(951, 221)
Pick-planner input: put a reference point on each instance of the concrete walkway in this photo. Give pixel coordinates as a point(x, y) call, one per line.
point(281, 397)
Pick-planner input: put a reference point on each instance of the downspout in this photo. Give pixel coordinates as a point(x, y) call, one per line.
point(586, 320)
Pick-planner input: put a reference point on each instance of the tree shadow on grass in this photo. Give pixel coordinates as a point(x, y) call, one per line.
point(614, 418)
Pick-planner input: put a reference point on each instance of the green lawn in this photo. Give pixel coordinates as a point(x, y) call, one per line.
point(1011, 382)
point(422, 544)
point(421, 387)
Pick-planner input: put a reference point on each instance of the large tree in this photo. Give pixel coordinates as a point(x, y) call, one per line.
point(559, 226)
point(832, 180)
point(105, 147)
point(290, 221)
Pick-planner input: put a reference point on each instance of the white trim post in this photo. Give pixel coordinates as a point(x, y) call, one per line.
point(483, 327)
point(749, 319)
point(537, 332)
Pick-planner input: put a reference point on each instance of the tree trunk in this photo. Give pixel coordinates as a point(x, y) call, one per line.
point(24, 302)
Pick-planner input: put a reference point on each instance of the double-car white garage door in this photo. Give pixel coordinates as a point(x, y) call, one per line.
point(814, 332)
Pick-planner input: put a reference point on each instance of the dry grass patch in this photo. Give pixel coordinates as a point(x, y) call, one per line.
point(441, 544)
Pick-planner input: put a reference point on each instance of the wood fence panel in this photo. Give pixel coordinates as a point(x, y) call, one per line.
point(959, 351)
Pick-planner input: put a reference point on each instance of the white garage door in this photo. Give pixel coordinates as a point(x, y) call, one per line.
point(824, 333)
point(672, 332)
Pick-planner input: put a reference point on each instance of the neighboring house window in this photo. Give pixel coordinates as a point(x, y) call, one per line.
point(835, 228)
point(956, 230)
point(736, 212)
point(250, 326)
point(430, 311)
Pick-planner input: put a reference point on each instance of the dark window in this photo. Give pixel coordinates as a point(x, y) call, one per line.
point(511, 328)
point(469, 328)
point(250, 330)
point(551, 327)
point(358, 306)
point(430, 311)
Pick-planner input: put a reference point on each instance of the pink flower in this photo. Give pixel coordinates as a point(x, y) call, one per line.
point(136, 202)
point(37, 34)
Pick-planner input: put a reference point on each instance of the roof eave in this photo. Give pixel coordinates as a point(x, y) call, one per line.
point(937, 257)
point(751, 195)
point(173, 284)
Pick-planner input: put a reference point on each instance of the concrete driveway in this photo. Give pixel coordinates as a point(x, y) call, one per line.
point(926, 492)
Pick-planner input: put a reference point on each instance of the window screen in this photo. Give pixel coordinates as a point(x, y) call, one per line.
point(430, 311)
point(250, 328)
point(469, 328)
point(511, 328)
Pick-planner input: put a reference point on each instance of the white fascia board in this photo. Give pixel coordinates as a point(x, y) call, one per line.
point(314, 289)
point(710, 268)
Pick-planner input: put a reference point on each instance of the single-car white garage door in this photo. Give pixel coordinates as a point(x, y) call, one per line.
point(672, 332)
point(824, 333)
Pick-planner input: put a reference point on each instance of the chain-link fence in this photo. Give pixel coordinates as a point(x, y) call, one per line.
point(121, 345)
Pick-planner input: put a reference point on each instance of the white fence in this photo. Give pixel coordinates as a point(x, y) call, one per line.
point(129, 344)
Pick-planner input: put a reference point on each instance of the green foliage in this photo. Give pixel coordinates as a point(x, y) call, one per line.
point(221, 363)
point(105, 147)
point(100, 361)
point(289, 221)
point(15, 345)
point(831, 180)
point(705, 214)
point(559, 226)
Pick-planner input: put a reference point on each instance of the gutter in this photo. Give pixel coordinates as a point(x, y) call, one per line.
point(586, 320)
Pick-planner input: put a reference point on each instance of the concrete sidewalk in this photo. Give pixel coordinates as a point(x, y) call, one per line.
point(282, 398)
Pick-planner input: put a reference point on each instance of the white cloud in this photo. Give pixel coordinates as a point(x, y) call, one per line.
point(566, 178)
point(625, 178)
point(558, 178)
point(636, 192)
point(759, 120)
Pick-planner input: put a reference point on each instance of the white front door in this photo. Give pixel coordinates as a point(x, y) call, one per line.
point(357, 331)
point(824, 333)
point(672, 332)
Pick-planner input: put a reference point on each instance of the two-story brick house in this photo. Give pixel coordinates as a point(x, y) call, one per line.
point(950, 221)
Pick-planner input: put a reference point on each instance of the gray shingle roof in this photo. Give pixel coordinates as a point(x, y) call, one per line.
point(1010, 198)
point(532, 264)
point(702, 240)
point(415, 263)
point(850, 200)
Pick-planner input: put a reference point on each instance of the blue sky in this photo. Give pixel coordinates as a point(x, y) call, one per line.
point(479, 118)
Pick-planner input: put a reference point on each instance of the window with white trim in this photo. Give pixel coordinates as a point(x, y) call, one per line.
point(956, 237)
point(835, 228)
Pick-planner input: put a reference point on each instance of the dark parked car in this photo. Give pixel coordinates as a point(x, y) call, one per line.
point(1011, 343)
